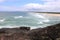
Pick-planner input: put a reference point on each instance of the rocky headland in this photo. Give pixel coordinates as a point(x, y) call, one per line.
point(24, 33)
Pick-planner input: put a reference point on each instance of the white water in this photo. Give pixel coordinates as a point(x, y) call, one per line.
point(33, 20)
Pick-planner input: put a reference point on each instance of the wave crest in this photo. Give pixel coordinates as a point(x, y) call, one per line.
point(2, 20)
point(16, 17)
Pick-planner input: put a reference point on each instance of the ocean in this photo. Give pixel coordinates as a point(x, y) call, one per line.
point(29, 19)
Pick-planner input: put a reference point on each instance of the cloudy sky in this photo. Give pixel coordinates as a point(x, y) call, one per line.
point(30, 5)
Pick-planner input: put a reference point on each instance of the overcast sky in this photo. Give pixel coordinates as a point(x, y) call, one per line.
point(30, 5)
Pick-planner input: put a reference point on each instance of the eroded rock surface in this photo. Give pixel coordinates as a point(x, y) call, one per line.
point(24, 33)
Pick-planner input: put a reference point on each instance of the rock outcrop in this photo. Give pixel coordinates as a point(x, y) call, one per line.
point(24, 33)
point(48, 33)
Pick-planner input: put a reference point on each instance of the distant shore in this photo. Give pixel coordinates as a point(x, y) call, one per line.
point(49, 13)
point(53, 14)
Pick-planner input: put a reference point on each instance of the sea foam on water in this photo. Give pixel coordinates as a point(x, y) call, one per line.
point(33, 20)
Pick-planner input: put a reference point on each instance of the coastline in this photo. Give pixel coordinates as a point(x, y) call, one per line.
point(49, 13)
point(48, 33)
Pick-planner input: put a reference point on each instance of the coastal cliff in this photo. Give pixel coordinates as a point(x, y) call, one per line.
point(24, 33)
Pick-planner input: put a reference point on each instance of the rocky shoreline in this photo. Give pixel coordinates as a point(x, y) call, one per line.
point(24, 33)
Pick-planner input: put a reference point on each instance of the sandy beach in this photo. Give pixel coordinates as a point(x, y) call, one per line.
point(53, 14)
point(49, 14)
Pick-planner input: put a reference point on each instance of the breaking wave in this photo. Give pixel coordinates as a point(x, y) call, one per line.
point(2, 20)
point(37, 15)
point(33, 20)
point(16, 17)
point(41, 17)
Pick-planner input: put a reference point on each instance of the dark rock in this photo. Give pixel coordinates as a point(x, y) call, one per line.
point(25, 28)
point(2, 31)
point(24, 33)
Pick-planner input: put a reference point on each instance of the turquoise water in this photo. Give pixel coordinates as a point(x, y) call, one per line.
point(17, 19)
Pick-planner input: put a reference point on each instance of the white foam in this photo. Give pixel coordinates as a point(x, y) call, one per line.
point(8, 26)
point(34, 27)
point(47, 20)
point(2, 20)
point(16, 17)
point(40, 23)
point(37, 15)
